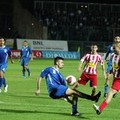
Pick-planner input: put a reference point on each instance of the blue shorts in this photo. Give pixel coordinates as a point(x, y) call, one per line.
point(58, 91)
point(24, 61)
point(3, 67)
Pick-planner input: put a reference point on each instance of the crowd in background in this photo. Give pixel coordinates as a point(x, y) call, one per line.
point(78, 21)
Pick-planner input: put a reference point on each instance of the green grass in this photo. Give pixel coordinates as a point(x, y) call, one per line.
point(20, 103)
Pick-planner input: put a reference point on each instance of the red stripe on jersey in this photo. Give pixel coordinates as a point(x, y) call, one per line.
point(91, 62)
point(116, 65)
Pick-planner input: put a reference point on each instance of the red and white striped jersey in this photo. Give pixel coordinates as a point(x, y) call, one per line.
point(116, 65)
point(91, 62)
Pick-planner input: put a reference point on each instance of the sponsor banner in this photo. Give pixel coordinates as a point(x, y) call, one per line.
point(64, 54)
point(15, 53)
point(36, 53)
point(48, 45)
point(9, 43)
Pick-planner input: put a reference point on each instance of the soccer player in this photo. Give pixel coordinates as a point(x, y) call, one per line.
point(89, 73)
point(57, 87)
point(109, 66)
point(25, 56)
point(115, 88)
point(4, 53)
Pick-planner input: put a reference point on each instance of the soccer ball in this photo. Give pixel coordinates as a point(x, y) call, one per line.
point(71, 80)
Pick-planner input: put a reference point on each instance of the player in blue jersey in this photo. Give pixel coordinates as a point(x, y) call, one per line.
point(25, 56)
point(109, 65)
point(5, 52)
point(57, 88)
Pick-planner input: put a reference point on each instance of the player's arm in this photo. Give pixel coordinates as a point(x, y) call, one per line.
point(80, 67)
point(20, 56)
point(38, 86)
point(103, 69)
point(31, 56)
point(10, 56)
point(31, 53)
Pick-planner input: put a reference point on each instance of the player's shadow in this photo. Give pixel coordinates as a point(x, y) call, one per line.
point(30, 96)
point(39, 112)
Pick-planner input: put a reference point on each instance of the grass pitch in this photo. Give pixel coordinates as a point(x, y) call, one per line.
point(20, 102)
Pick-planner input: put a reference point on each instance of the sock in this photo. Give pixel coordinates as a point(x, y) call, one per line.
point(23, 72)
point(4, 82)
point(86, 96)
point(28, 70)
point(74, 108)
point(1, 82)
point(106, 88)
point(103, 105)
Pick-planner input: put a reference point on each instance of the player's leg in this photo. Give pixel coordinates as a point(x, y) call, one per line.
point(104, 104)
point(95, 98)
point(23, 67)
point(74, 106)
point(26, 66)
point(93, 91)
point(60, 92)
point(5, 85)
point(93, 83)
point(106, 87)
point(1, 80)
point(115, 87)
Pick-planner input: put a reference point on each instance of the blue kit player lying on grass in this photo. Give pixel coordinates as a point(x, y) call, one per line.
point(57, 88)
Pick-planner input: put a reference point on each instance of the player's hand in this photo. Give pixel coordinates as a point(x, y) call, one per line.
point(37, 93)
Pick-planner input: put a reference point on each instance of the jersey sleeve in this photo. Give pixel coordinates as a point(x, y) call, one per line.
point(44, 72)
point(84, 58)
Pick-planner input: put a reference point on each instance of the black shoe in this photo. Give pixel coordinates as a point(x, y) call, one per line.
point(97, 96)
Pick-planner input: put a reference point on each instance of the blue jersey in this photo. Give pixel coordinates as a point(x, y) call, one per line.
point(26, 52)
point(4, 53)
point(109, 51)
point(54, 79)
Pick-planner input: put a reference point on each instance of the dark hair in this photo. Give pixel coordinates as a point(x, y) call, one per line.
point(25, 41)
point(1, 37)
point(57, 58)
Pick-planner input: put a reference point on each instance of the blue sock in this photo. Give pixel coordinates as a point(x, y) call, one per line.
point(1, 82)
point(74, 108)
point(4, 82)
point(106, 88)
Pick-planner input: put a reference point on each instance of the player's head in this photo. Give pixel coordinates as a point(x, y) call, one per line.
point(116, 47)
point(59, 62)
point(117, 39)
point(2, 41)
point(25, 43)
point(94, 48)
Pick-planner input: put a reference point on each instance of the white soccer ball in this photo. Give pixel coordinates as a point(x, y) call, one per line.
point(71, 80)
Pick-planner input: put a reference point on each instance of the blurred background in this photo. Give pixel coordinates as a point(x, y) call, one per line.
point(79, 22)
